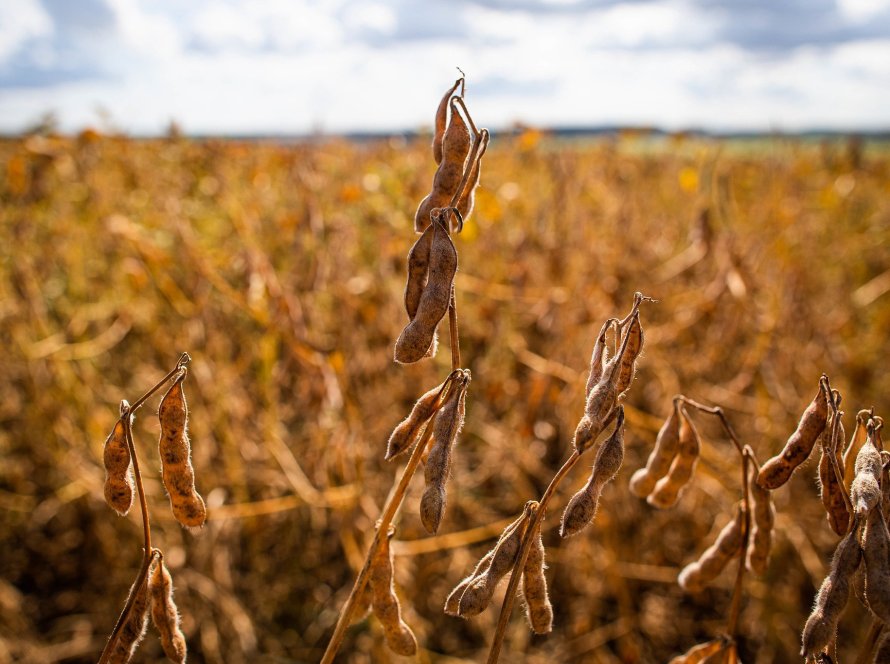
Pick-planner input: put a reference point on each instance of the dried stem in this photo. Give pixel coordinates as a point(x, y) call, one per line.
point(527, 541)
point(452, 330)
point(184, 359)
point(386, 518)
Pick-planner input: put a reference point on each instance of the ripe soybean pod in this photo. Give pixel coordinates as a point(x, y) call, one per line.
point(876, 556)
point(697, 575)
point(643, 481)
point(416, 339)
point(860, 433)
point(757, 556)
point(775, 472)
point(164, 613)
point(833, 495)
point(534, 588)
point(599, 356)
point(399, 637)
point(406, 432)
point(442, 120)
point(118, 466)
point(468, 197)
point(667, 490)
point(833, 594)
point(865, 491)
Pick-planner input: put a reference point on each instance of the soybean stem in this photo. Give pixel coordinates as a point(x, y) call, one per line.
point(184, 359)
point(527, 540)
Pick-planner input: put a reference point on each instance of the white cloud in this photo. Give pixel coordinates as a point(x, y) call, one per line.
point(21, 21)
point(276, 66)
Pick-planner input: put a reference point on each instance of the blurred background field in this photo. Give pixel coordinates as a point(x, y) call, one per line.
point(280, 269)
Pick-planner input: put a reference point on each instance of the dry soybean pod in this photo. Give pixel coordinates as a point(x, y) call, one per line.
point(667, 490)
point(455, 148)
point(534, 588)
point(406, 432)
point(775, 472)
point(764, 520)
point(865, 491)
point(442, 120)
point(832, 492)
point(876, 556)
point(581, 509)
point(452, 603)
point(133, 628)
point(477, 595)
point(695, 576)
point(833, 594)
point(164, 613)
point(118, 466)
point(856, 441)
point(438, 464)
point(177, 472)
point(385, 603)
point(642, 482)
point(416, 339)
point(599, 356)
point(468, 197)
point(634, 347)
point(418, 271)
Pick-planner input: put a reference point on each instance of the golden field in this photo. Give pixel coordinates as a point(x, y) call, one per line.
point(280, 269)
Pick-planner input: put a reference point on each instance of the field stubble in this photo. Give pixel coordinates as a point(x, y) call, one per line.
point(281, 269)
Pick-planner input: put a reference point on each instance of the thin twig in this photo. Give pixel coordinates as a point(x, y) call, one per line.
point(184, 359)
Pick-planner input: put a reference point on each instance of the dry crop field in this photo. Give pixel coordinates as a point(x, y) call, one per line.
point(280, 269)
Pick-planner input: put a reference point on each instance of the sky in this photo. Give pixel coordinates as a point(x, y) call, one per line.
point(301, 66)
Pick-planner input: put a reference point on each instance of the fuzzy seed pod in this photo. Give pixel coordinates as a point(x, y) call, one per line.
point(832, 596)
point(164, 613)
point(832, 492)
point(659, 462)
point(695, 576)
point(362, 604)
point(455, 148)
point(406, 432)
point(534, 589)
point(177, 473)
point(118, 467)
point(701, 652)
point(865, 491)
point(399, 637)
point(468, 197)
point(876, 556)
point(417, 337)
point(764, 519)
point(132, 631)
point(452, 603)
point(634, 347)
point(668, 489)
point(581, 510)
point(438, 464)
point(775, 472)
point(478, 593)
point(598, 357)
point(442, 120)
point(860, 433)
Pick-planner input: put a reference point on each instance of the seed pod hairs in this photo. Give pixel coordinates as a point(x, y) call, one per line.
point(118, 466)
point(438, 464)
point(833, 595)
point(642, 482)
point(164, 613)
point(417, 336)
point(581, 509)
point(696, 575)
point(177, 474)
point(385, 603)
point(668, 489)
point(776, 472)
